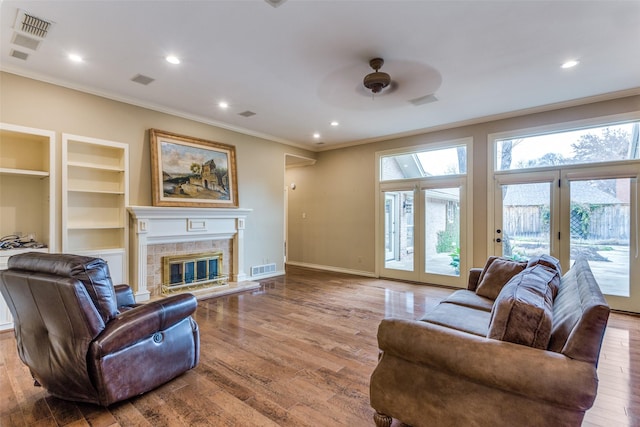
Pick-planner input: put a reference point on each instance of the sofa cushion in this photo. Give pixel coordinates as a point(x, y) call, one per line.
point(469, 299)
point(580, 315)
point(523, 311)
point(496, 273)
point(458, 317)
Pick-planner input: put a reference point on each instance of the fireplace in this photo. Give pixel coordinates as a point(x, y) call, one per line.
point(184, 234)
point(190, 272)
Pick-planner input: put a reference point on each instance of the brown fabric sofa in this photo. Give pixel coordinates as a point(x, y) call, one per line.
point(84, 339)
point(526, 358)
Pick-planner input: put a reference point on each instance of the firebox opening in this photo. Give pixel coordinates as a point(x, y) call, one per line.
point(192, 271)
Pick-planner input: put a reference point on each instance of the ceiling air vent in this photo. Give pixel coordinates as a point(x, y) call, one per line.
point(247, 113)
point(142, 79)
point(24, 41)
point(32, 25)
point(19, 55)
point(424, 100)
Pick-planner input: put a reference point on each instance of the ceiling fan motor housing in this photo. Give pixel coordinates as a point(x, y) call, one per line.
point(377, 80)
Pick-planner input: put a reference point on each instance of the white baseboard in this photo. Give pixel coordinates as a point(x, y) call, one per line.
point(331, 268)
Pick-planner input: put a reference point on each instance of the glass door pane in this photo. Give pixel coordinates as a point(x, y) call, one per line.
point(526, 220)
point(442, 231)
point(389, 229)
point(399, 233)
point(600, 230)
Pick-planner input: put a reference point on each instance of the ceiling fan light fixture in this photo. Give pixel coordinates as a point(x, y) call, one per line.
point(377, 80)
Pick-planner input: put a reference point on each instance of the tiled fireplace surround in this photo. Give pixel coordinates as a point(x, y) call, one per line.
point(160, 231)
point(155, 253)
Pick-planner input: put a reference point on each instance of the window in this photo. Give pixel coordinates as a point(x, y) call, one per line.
point(571, 194)
point(593, 145)
point(422, 222)
point(422, 164)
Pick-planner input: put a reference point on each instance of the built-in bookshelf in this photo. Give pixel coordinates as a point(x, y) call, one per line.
point(95, 195)
point(27, 195)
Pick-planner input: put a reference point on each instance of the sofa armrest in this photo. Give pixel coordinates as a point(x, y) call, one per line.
point(143, 321)
point(474, 276)
point(533, 373)
point(124, 295)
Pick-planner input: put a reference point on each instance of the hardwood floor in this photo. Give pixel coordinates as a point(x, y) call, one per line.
point(297, 352)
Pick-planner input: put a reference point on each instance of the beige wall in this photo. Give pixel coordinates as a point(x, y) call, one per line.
point(337, 194)
point(260, 163)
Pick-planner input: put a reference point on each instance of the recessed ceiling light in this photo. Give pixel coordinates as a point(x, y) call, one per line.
point(316, 135)
point(334, 123)
point(570, 64)
point(223, 104)
point(75, 57)
point(171, 59)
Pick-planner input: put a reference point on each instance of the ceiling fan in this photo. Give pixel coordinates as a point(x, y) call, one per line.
point(413, 83)
point(377, 80)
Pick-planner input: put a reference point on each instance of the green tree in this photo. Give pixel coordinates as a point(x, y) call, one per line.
point(196, 168)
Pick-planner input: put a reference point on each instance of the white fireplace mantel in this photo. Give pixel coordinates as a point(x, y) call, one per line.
point(155, 225)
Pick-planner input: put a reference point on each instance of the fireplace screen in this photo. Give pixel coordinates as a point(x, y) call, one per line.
point(184, 272)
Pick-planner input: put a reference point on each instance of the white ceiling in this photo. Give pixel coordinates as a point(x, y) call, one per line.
point(300, 65)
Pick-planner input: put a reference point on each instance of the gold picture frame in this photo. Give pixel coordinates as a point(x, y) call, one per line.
point(192, 172)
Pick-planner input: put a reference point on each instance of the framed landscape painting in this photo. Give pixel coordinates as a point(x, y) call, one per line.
point(192, 172)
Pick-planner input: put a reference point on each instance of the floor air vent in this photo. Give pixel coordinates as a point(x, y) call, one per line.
point(259, 270)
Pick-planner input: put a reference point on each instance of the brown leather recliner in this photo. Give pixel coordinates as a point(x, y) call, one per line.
point(84, 339)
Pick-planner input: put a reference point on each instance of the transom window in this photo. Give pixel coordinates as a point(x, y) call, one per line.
point(422, 164)
point(585, 146)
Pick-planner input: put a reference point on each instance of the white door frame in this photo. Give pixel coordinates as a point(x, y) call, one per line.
point(560, 206)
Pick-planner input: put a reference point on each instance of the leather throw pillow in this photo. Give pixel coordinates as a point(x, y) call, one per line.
point(496, 273)
point(523, 311)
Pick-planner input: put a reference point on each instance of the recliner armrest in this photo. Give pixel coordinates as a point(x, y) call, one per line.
point(536, 374)
point(124, 295)
point(143, 321)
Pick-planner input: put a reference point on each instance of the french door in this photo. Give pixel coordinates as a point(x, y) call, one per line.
point(392, 221)
point(574, 211)
point(425, 231)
